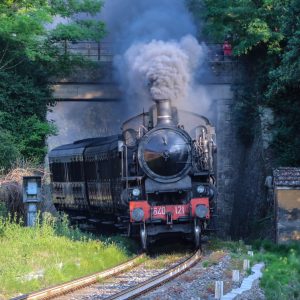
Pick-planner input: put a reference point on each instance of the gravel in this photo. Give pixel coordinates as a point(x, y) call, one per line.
point(199, 283)
point(256, 293)
point(113, 285)
point(195, 284)
point(117, 283)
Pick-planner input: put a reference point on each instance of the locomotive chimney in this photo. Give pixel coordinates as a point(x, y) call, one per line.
point(164, 112)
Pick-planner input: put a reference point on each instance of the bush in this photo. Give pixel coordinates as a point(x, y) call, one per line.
point(3, 209)
point(8, 150)
point(281, 277)
point(23, 124)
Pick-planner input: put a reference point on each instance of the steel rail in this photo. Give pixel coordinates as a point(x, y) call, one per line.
point(75, 284)
point(155, 281)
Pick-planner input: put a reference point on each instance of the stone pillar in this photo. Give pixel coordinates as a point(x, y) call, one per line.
point(225, 169)
point(225, 133)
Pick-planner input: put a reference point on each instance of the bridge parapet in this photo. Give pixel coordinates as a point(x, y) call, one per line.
point(98, 82)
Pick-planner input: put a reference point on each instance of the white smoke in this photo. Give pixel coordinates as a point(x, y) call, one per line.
point(165, 68)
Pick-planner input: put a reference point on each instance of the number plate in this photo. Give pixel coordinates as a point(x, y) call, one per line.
point(180, 209)
point(159, 210)
point(174, 209)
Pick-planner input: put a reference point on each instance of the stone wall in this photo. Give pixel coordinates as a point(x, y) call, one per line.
point(241, 171)
point(250, 194)
point(242, 195)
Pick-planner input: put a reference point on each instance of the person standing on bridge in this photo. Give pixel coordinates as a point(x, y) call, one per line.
point(227, 50)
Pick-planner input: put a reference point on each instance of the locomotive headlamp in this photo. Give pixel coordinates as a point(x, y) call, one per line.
point(200, 189)
point(136, 192)
point(137, 214)
point(201, 211)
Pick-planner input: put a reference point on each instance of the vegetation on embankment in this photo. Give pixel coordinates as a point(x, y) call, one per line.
point(51, 253)
point(281, 275)
point(265, 36)
point(32, 38)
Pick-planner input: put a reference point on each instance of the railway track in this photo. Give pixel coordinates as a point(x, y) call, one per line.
point(122, 284)
point(157, 280)
point(61, 289)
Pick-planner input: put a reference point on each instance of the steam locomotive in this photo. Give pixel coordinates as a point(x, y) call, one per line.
point(154, 179)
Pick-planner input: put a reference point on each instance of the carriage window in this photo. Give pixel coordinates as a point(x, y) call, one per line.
point(90, 169)
point(75, 171)
point(58, 171)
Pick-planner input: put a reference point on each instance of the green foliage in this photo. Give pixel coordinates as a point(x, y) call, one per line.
point(32, 134)
point(31, 53)
point(3, 209)
point(52, 249)
point(281, 277)
point(81, 30)
point(23, 125)
point(232, 246)
point(28, 23)
point(286, 143)
point(266, 35)
point(8, 149)
point(20, 97)
point(247, 23)
point(67, 8)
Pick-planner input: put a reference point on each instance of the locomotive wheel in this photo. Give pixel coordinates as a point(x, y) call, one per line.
point(144, 238)
point(197, 234)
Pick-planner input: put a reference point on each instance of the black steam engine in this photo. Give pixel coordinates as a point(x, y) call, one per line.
point(155, 179)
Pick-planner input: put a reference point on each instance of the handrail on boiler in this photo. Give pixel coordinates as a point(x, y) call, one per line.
point(126, 165)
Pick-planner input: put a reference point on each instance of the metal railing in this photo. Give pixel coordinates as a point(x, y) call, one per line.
point(103, 51)
point(95, 51)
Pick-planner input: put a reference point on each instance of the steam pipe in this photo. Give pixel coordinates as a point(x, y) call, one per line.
point(164, 112)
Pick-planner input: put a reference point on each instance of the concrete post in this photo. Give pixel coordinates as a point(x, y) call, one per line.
point(246, 264)
point(31, 213)
point(218, 289)
point(235, 275)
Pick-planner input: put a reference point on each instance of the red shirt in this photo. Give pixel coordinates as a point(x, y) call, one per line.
point(227, 49)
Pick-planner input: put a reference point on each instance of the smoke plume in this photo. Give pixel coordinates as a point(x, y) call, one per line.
point(163, 68)
point(157, 53)
point(156, 56)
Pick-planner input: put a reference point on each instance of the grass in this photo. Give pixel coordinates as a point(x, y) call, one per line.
point(281, 277)
point(232, 246)
point(214, 258)
point(51, 253)
point(164, 260)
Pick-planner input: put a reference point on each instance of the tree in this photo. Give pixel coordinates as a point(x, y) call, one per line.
point(33, 29)
point(248, 23)
point(8, 150)
point(31, 33)
point(266, 34)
